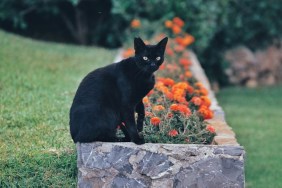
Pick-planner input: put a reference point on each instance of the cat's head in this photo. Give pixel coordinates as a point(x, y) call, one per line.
point(149, 57)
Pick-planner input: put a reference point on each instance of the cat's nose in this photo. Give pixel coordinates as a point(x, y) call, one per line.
point(153, 64)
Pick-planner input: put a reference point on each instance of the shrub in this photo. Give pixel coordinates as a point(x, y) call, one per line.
point(217, 25)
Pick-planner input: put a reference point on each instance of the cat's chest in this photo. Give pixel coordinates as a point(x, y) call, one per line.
point(142, 87)
point(133, 90)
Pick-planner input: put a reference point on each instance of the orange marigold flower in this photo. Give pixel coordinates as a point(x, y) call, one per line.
point(128, 52)
point(204, 91)
point(178, 21)
point(205, 101)
point(205, 112)
point(197, 101)
point(145, 100)
point(180, 85)
point(179, 97)
point(185, 62)
point(188, 74)
point(184, 109)
point(197, 92)
point(168, 24)
point(161, 87)
point(135, 23)
point(190, 89)
point(178, 40)
point(187, 40)
point(169, 95)
point(158, 108)
point(176, 29)
point(172, 133)
point(199, 85)
point(174, 107)
point(155, 121)
point(162, 67)
point(210, 128)
point(166, 81)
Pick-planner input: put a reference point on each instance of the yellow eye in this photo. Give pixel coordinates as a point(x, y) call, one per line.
point(158, 58)
point(145, 58)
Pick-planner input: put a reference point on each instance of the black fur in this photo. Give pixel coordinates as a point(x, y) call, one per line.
point(111, 95)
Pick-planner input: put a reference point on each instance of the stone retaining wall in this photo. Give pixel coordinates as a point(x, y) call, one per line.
point(166, 165)
point(159, 165)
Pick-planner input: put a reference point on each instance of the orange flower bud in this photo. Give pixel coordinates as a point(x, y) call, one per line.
point(210, 128)
point(176, 29)
point(197, 101)
point(172, 133)
point(188, 74)
point(205, 101)
point(178, 21)
point(128, 52)
point(158, 108)
point(168, 24)
point(135, 23)
point(146, 100)
point(174, 107)
point(155, 121)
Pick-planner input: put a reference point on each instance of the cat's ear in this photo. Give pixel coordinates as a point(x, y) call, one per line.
point(162, 44)
point(139, 45)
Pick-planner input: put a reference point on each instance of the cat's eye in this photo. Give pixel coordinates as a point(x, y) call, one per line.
point(145, 58)
point(158, 58)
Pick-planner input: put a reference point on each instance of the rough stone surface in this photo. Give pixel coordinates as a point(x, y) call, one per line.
point(159, 165)
point(255, 68)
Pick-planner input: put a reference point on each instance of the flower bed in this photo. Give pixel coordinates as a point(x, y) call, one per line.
point(177, 107)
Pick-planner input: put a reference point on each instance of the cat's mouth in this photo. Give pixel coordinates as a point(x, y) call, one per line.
point(148, 69)
point(151, 69)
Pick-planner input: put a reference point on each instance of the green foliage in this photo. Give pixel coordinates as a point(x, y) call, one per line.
point(37, 84)
point(255, 117)
point(216, 24)
point(15, 11)
point(190, 130)
point(201, 16)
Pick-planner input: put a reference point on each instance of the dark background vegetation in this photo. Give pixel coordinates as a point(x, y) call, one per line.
point(216, 24)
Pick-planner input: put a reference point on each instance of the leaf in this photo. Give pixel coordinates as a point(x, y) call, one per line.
point(74, 2)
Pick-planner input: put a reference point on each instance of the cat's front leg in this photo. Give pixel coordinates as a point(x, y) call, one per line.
point(129, 120)
point(141, 114)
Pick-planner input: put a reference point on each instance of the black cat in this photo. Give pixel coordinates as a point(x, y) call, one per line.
point(111, 95)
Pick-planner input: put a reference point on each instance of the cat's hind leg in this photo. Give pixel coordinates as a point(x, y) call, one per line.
point(91, 123)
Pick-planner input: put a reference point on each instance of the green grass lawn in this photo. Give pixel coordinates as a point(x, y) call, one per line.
point(37, 84)
point(256, 117)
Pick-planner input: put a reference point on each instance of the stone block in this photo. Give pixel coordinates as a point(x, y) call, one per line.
point(159, 165)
